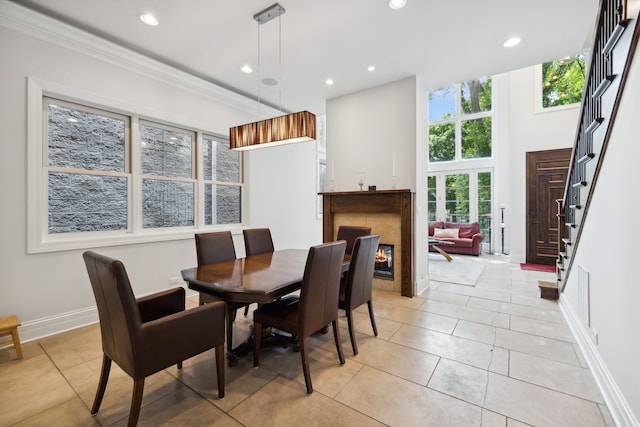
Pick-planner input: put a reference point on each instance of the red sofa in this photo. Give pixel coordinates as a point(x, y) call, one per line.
point(468, 241)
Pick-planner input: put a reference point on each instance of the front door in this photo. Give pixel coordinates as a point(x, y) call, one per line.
point(546, 178)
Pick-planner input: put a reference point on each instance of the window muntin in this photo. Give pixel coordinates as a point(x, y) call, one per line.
point(93, 187)
point(460, 119)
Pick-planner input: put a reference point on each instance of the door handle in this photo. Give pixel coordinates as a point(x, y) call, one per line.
point(532, 213)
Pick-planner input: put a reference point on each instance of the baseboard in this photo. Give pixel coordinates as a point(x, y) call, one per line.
point(617, 404)
point(422, 284)
point(36, 329)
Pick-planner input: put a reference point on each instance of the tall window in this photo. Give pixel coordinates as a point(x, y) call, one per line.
point(459, 182)
point(116, 175)
point(460, 121)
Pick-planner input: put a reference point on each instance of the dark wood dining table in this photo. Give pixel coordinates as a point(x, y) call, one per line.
point(254, 279)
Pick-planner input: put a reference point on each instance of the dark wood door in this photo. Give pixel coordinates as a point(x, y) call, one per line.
point(546, 178)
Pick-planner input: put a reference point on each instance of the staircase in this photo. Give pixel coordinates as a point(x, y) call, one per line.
point(615, 39)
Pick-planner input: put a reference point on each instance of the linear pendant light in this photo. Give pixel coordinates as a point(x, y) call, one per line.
point(294, 127)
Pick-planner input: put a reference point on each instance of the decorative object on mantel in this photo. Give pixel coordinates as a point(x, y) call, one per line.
point(294, 127)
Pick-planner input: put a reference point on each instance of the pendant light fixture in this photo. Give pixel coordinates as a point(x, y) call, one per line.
point(294, 127)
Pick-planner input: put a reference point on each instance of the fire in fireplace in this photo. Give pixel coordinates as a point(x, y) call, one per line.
point(384, 262)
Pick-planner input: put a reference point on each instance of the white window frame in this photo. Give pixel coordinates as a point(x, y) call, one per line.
point(457, 122)
point(38, 238)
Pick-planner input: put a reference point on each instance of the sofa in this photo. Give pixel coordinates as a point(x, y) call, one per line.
point(466, 237)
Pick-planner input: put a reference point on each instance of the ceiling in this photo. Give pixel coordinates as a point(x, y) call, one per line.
point(442, 41)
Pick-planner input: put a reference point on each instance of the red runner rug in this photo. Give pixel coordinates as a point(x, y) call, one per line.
point(538, 267)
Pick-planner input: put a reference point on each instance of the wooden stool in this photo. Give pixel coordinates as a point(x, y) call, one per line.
point(9, 326)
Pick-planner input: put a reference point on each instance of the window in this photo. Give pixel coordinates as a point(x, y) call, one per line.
point(87, 169)
point(221, 174)
point(459, 182)
point(560, 83)
point(563, 81)
point(168, 178)
point(113, 178)
point(460, 121)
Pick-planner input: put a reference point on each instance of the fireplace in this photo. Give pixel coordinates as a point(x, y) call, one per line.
point(383, 268)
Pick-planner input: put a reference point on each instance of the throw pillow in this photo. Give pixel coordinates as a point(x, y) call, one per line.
point(440, 233)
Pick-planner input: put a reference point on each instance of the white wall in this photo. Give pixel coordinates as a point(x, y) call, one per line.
point(528, 131)
point(366, 130)
point(50, 291)
point(609, 256)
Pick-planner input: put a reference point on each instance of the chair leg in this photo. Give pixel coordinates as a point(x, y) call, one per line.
point(373, 319)
point(352, 333)
point(304, 355)
point(336, 337)
point(220, 369)
point(257, 335)
point(102, 384)
point(231, 314)
point(136, 402)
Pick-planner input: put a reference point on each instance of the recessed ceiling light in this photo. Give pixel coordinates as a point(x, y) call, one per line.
point(329, 82)
point(513, 41)
point(246, 69)
point(149, 19)
point(371, 68)
point(397, 4)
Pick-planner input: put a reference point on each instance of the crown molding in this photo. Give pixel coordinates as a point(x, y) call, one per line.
point(34, 24)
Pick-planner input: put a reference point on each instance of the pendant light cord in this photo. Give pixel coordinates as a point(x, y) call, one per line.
point(280, 61)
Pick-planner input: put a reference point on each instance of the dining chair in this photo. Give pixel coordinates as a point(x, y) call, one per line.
point(316, 307)
point(350, 234)
point(355, 287)
point(148, 334)
point(212, 248)
point(257, 241)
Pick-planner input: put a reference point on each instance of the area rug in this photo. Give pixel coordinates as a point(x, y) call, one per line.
point(462, 270)
point(538, 267)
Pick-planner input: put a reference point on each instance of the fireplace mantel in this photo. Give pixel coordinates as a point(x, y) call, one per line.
point(398, 202)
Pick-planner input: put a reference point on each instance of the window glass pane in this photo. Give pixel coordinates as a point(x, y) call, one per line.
point(220, 163)
point(431, 198)
point(476, 138)
point(475, 95)
point(166, 152)
point(563, 81)
point(442, 103)
point(221, 204)
point(484, 204)
point(167, 203)
point(85, 140)
point(442, 142)
point(457, 198)
point(79, 202)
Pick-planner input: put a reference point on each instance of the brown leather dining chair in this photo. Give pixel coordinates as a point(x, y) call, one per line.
point(355, 287)
point(350, 234)
point(210, 249)
point(316, 307)
point(148, 334)
point(257, 241)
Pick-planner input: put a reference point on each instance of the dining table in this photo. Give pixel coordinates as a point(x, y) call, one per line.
point(257, 279)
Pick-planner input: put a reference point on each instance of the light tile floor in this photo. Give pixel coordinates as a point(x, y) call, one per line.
point(491, 355)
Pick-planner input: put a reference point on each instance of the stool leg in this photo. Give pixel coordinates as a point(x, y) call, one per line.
point(16, 342)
